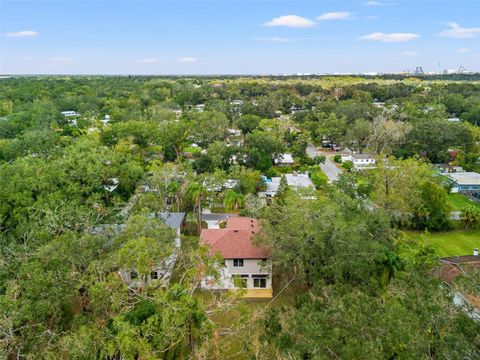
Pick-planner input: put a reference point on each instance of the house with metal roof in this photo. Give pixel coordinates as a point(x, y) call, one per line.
point(295, 181)
point(464, 182)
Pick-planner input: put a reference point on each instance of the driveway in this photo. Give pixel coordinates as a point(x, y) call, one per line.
point(329, 168)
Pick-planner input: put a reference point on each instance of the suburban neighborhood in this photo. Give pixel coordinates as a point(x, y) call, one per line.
point(245, 180)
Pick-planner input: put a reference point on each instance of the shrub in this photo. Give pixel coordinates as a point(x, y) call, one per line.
point(337, 158)
point(319, 179)
point(348, 165)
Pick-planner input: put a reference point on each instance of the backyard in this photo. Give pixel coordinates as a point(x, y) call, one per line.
point(450, 243)
point(459, 201)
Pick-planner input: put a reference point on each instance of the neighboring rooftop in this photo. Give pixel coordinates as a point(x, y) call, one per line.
point(284, 159)
point(235, 241)
point(173, 220)
point(295, 180)
point(465, 178)
point(360, 156)
point(465, 259)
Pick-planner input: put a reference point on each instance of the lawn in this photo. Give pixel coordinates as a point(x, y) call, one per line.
point(450, 243)
point(459, 201)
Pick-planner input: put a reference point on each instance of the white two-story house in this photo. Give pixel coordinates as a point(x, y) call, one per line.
point(245, 264)
point(163, 271)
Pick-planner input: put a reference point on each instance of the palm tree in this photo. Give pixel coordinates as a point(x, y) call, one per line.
point(233, 200)
point(173, 191)
point(197, 194)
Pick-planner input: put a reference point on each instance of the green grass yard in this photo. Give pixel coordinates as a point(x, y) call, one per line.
point(450, 243)
point(458, 201)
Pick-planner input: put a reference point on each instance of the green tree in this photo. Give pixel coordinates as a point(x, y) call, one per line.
point(397, 186)
point(471, 217)
point(209, 126)
point(197, 194)
point(233, 200)
point(434, 210)
point(248, 123)
point(358, 134)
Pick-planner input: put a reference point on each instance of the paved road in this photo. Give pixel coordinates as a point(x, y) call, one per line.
point(329, 168)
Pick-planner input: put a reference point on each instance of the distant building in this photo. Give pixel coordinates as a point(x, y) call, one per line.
point(231, 184)
point(234, 132)
point(360, 161)
point(284, 160)
point(465, 182)
point(294, 110)
point(200, 107)
point(245, 264)
point(236, 102)
point(295, 182)
point(70, 113)
point(453, 119)
point(445, 168)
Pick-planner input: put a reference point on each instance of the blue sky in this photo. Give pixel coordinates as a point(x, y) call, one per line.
point(237, 37)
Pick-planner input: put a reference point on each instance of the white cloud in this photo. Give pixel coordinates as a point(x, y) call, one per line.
point(293, 21)
point(273, 39)
point(340, 15)
point(393, 37)
point(458, 32)
point(22, 34)
point(410, 53)
point(148, 61)
point(463, 50)
point(375, 3)
point(61, 60)
point(187, 59)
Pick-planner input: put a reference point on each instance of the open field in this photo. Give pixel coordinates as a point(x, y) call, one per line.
point(459, 201)
point(450, 243)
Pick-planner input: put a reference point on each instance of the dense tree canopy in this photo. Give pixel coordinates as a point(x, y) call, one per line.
point(80, 197)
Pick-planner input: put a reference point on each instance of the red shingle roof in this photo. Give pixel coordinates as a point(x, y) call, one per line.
point(235, 241)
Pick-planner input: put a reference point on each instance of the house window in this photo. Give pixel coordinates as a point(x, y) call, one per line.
point(238, 262)
point(154, 275)
point(133, 275)
point(260, 281)
point(240, 281)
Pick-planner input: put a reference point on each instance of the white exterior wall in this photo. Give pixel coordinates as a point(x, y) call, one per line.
point(250, 267)
point(164, 268)
point(359, 163)
point(363, 162)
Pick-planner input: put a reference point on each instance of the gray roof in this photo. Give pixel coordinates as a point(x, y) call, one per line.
point(172, 219)
point(363, 156)
point(465, 178)
point(217, 216)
